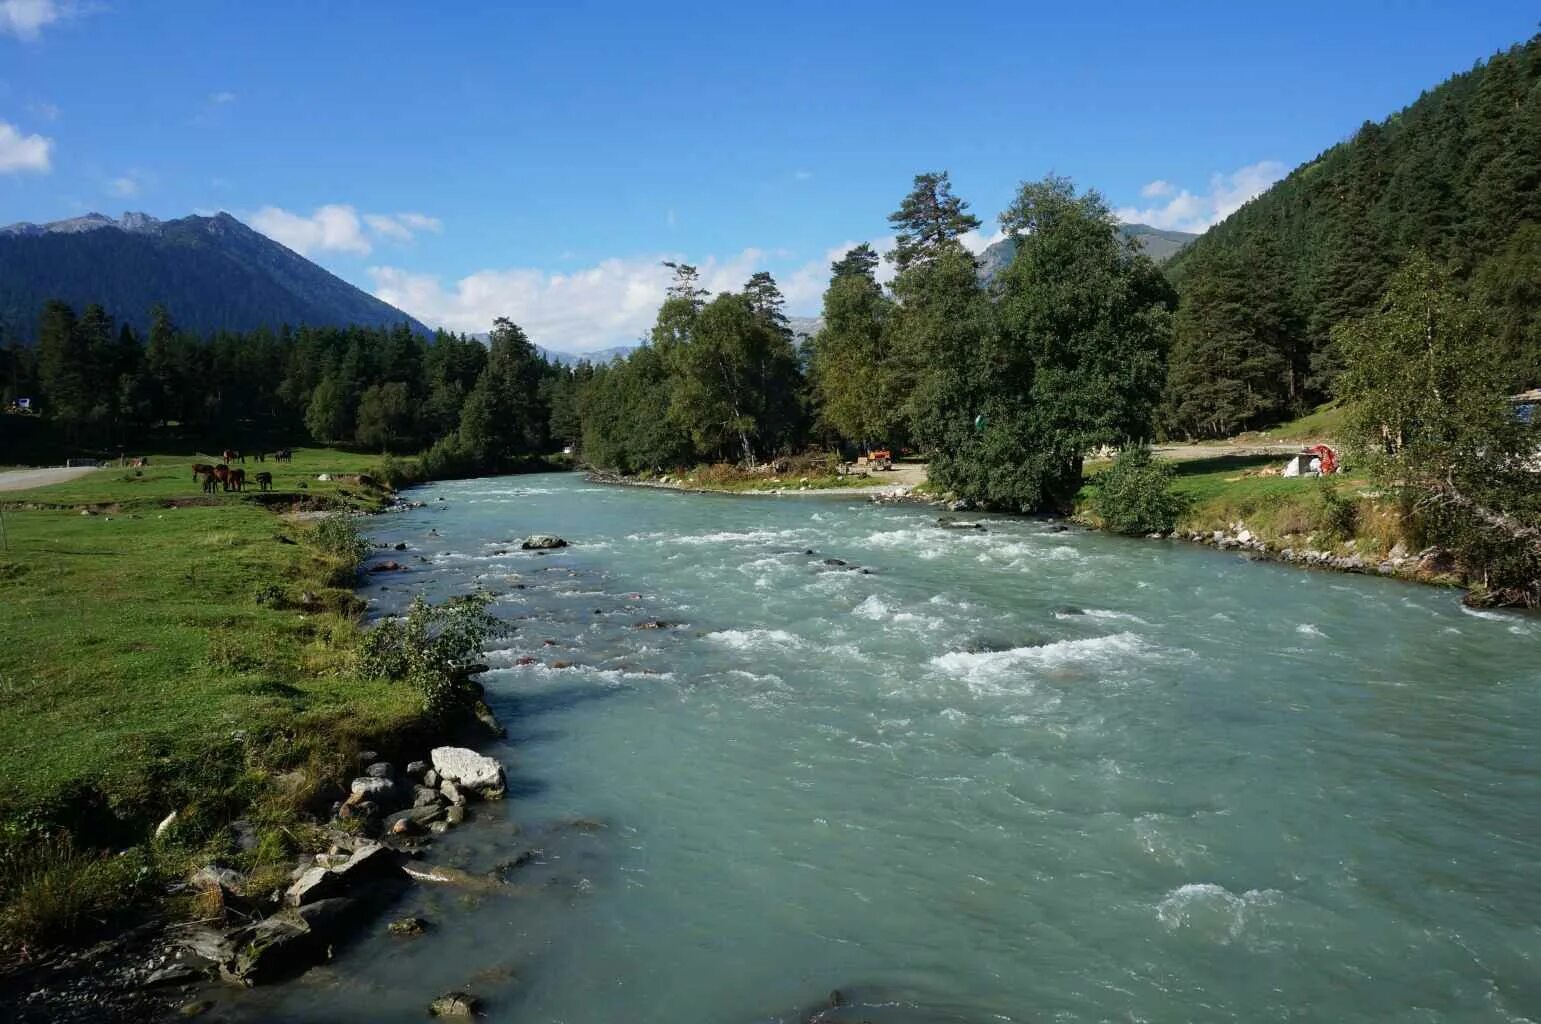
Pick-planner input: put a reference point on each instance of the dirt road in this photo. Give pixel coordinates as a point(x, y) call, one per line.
point(24, 479)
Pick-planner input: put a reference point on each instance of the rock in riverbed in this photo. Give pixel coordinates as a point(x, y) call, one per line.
point(542, 542)
point(470, 771)
point(455, 1004)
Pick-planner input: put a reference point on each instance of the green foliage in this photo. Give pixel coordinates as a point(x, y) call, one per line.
point(1233, 364)
point(432, 648)
point(851, 370)
point(1425, 385)
point(929, 221)
point(338, 535)
point(1070, 358)
point(719, 380)
point(1339, 516)
point(1136, 496)
point(51, 891)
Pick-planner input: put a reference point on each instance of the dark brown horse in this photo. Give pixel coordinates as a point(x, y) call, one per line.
point(201, 469)
point(265, 480)
point(237, 480)
point(222, 474)
point(231, 455)
point(210, 484)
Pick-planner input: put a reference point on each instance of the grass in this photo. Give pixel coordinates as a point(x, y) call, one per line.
point(1285, 511)
point(167, 651)
point(1324, 423)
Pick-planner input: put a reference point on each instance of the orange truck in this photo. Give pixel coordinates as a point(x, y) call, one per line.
point(881, 459)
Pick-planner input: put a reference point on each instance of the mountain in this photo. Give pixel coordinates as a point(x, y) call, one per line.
point(1160, 245)
point(212, 273)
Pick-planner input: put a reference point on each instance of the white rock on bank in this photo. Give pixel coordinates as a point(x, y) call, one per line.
point(470, 770)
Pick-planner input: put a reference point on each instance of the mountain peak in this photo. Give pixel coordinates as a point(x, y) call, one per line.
point(212, 272)
point(139, 223)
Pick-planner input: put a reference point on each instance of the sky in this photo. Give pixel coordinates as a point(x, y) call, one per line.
point(470, 160)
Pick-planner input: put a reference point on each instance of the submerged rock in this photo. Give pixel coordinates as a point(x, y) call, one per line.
point(455, 1004)
point(408, 927)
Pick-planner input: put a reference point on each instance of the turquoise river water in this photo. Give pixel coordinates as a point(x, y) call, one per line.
point(1011, 775)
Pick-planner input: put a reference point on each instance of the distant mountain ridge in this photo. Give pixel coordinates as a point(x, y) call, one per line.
point(212, 273)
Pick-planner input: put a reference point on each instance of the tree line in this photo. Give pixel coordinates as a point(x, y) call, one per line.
point(1005, 390)
point(469, 406)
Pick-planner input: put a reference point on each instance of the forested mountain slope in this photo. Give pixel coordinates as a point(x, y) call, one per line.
point(212, 273)
point(1455, 175)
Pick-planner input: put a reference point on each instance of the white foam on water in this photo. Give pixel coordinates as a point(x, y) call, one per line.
point(1308, 629)
point(1102, 615)
point(875, 609)
point(991, 666)
point(1213, 909)
point(1518, 625)
point(756, 639)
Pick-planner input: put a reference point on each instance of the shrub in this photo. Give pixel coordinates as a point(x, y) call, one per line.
point(337, 535)
point(52, 891)
point(1339, 516)
point(432, 647)
point(1135, 496)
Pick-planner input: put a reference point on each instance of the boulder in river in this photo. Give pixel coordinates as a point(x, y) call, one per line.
point(470, 771)
point(542, 542)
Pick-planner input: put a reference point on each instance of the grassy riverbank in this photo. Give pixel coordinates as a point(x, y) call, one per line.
point(167, 651)
point(1339, 517)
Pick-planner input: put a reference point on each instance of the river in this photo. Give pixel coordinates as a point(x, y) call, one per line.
point(1020, 774)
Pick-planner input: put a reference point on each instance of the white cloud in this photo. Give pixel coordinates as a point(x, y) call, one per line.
point(402, 227)
point(331, 228)
point(26, 19)
point(222, 97)
point(1185, 211)
point(338, 227)
point(612, 302)
point(20, 152)
point(124, 186)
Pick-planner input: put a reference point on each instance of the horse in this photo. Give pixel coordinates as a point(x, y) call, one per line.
point(283, 455)
point(231, 455)
point(265, 480)
point(210, 483)
point(201, 469)
point(222, 474)
point(237, 480)
point(262, 456)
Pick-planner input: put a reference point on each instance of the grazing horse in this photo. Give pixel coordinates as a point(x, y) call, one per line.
point(265, 480)
point(201, 469)
point(237, 480)
point(210, 482)
point(222, 474)
point(262, 456)
point(231, 455)
point(283, 455)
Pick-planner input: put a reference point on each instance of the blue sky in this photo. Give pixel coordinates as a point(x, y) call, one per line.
point(468, 160)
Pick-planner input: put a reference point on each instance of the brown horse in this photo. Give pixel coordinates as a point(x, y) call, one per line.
point(265, 480)
point(222, 474)
point(209, 484)
point(283, 455)
point(201, 469)
point(231, 455)
point(237, 480)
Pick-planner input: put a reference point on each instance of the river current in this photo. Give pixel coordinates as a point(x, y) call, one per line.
point(1018, 774)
